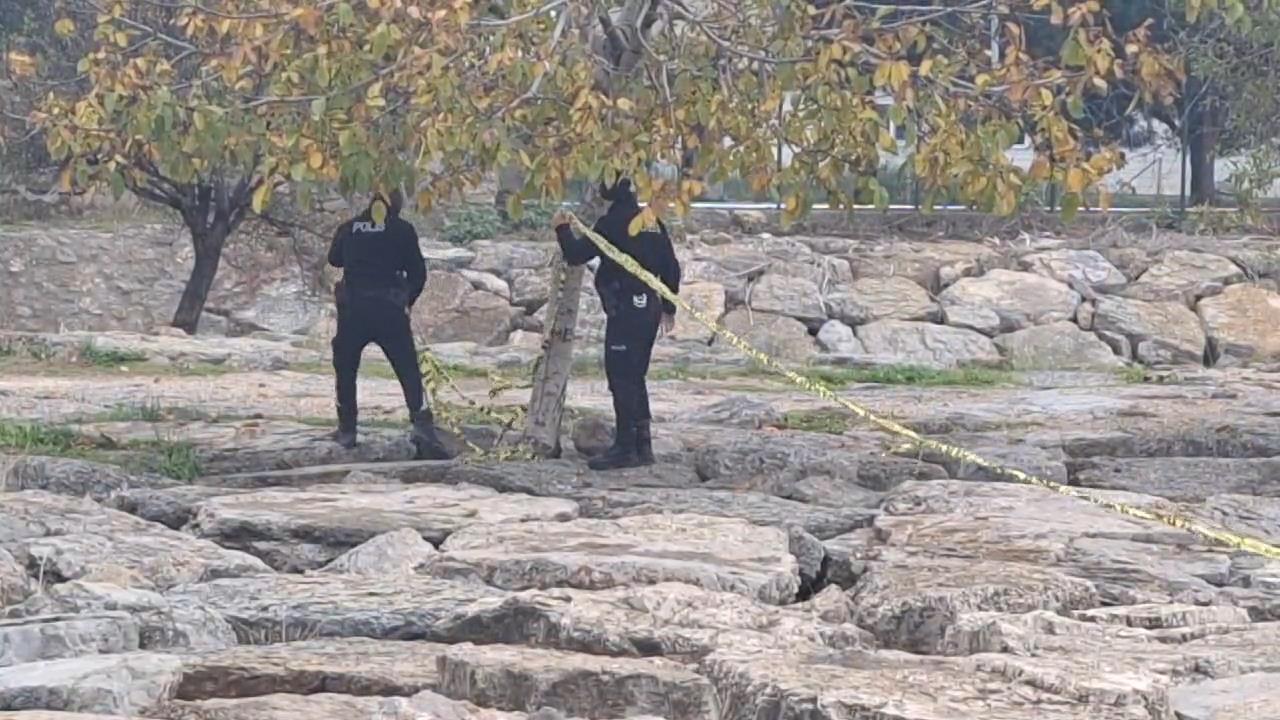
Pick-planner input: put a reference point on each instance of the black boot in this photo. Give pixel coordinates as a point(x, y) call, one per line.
point(644, 443)
point(623, 452)
point(346, 433)
point(425, 441)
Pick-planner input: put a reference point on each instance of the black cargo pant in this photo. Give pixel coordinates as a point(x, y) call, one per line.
point(629, 335)
point(379, 318)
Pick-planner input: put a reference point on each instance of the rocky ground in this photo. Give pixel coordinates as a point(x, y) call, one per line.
point(779, 562)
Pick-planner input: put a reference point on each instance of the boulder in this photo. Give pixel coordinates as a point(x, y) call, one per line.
point(1243, 324)
point(122, 684)
point(503, 257)
point(71, 538)
point(1088, 268)
point(444, 256)
point(510, 677)
point(1184, 276)
point(836, 337)
point(983, 320)
point(740, 411)
point(756, 508)
point(332, 519)
point(781, 337)
point(910, 604)
point(530, 289)
point(54, 637)
point(1254, 696)
point(76, 478)
point(1059, 346)
point(927, 345)
point(869, 299)
point(788, 296)
point(305, 667)
point(396, 552)
point(1020, 299)
point(161, 626)
point(677, 620)
point(800, 684)
point(931, 265)
point(710, 552)
point(15, 585)
point(488, 283)
point(285, 608)
point(452, 310)
point(1159, 332)
point(1181, 479)
point(707, 298)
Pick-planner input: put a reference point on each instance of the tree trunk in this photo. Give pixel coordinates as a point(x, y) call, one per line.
point(208, 245)
point(1203, 153)
point(551, 378)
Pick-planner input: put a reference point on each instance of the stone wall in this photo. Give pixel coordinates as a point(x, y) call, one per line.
point(1045, 302)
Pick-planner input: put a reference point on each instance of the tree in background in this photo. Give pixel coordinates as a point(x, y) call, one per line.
point(209, 108)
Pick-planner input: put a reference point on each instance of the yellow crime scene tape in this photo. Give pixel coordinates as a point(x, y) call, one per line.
point(1181, 522)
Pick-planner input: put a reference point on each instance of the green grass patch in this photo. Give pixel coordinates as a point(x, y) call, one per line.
point(39, 439)
point(911, 375)
point(1132, 374)
point(833, 422)
point(469, 223)
point(105, 357)
point(177, 460)
point(152, 411)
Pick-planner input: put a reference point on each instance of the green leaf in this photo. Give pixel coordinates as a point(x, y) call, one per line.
point(1070, 206)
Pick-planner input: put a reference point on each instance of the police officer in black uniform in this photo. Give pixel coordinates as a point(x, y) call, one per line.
point(383, 275)
point(635, 314)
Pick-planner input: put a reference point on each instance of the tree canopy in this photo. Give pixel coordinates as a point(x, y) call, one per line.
point(211, 106)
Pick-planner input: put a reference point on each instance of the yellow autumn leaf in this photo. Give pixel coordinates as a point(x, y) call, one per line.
point(315, 160)
point(887, 141)
point(1076, 180)
point(792, 204)
point(64, 27)
point(624, 104)
point(261, 197)
point(644, 219)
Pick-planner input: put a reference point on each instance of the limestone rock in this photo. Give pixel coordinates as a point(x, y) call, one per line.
point(791, 297)
point(350, 666)
point(743, 411)
point(781, 337)
point(53, 532)
point(1248, 697)
point(396, 552)
point(836, 337)
point(931, 265)
point(981, 319)
point(1181, 479)
point(510, 677)
point(1085, 267)
point(440, 255)
point(161, 626)
point(283, 608)
point(1166, 617)
point(451, 310)
point(1020, 299)
point(804, 685)
point(76, 478)
point(1058, 346)
point(502, 257)
point(110, 684)
point(531, 289)
point(1158, 331)
point(488, 283)
point(714, 553)
point(707, 298)
point(753, 507)
point(777, 465)
point(54, 637)
point(927, 345)
point(910, 605)
point(869, 299)
point(339, 517)
point(1243, 324)
point(1184, 276)
point(591, 317)
point(667, 619)
point(283, 706)
point(15, 586)
point(172, 507)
